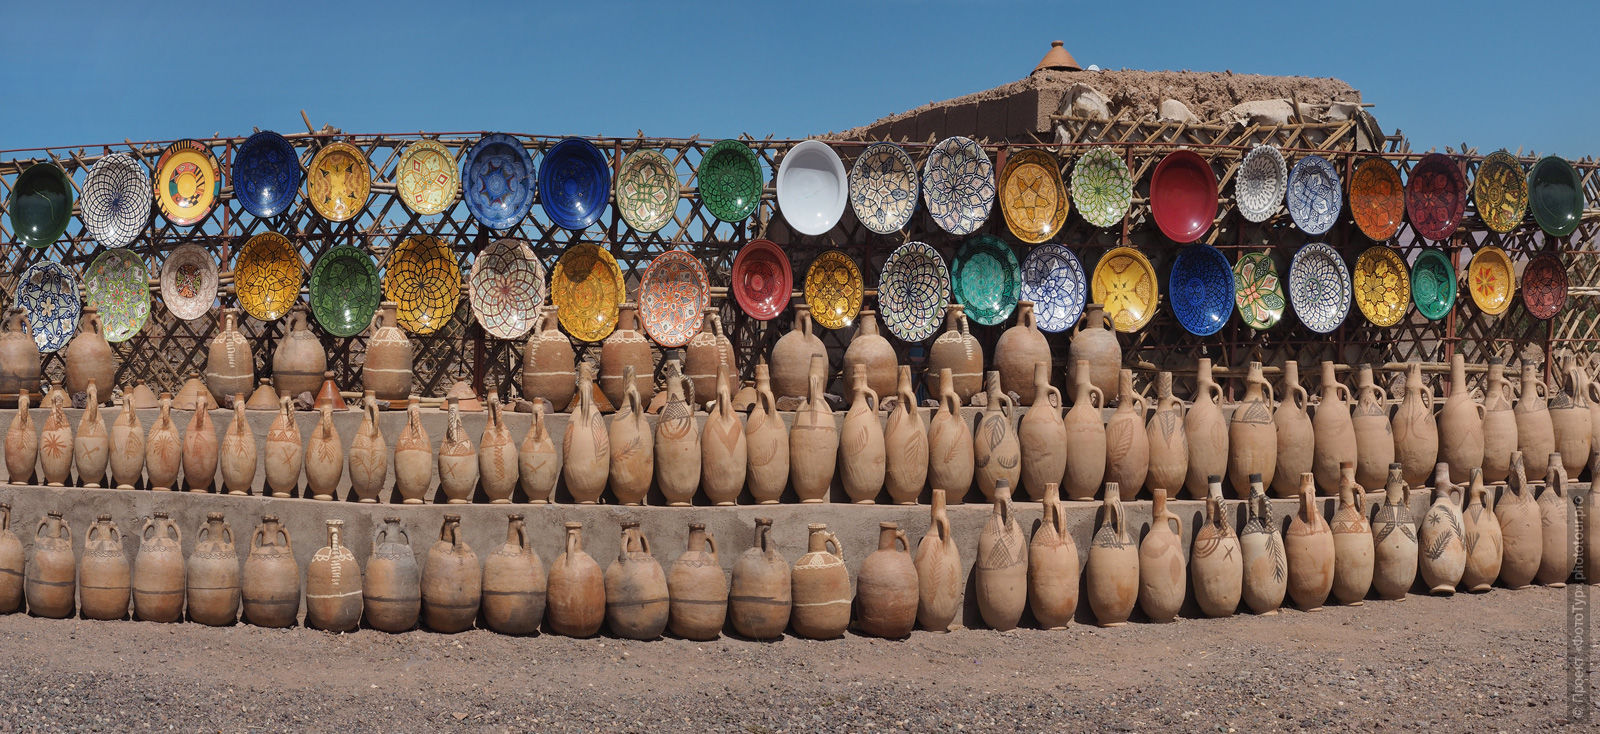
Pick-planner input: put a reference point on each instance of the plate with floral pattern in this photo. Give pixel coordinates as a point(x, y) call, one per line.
point(1436, 196)
point(763, 280)
point(647, 190)
point(1263, 179)
point(1102, 186)
point(188, 182)
point(884, 188)
point(1315, 195)
point(1544, 286)
point(117, 284)
point(497, 181)
point(345, 290)
point(1500, 191)
point(423, 280)
point(189, 282)
point(1054, 280)
point(427, 179)
point(1433, 284)
point(985, 280)
point(116, 200)
point(1258, 291)
point(913, 290)
point(1319, 287)
point(1382, 285)
point(338, 181)
point(1377, 199)
point(834, 289)
point(673, 294)
point(1126, 283)
point(1490, 280)
point(958, 185)
point(1033, 198)
point(730, 181)
point(506, 288)
point(586, 288)
point(48, 293)
point(1200, 289)
point(266, 174)
point(267, 275)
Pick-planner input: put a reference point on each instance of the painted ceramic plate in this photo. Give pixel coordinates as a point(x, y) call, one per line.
point(1053, 278)
point(834, 289)
point(1033, 198)
point(189, 282)
point(586, 287)
point(1436, 197)
point(338, 181)
point(1258, 291)
point(884, 188)
point(427, 178)
point(730, 181)
point(812, 187)
point(48, 293)
point(1314, 194)
point(1377, 199)
point(913, 290)
point(958, 185)
point(423, 280)
point(1319, 287)
point(116, 200)
point(1183, 196)
point(266, 174)
point(985, 279)
point(1124, 281)
point(673, 294)
point(40, 205)
point(1490, 280)
point(1102, 186)
point(188, 182)
point(647, 190)
point(1200, 289)
point(1544, 286)
point(1500, 191)
point(506, 288)
point(497, 181)
point(763, 280)
point(117, 284)
point(1382, 285)
point(574, 183)
point(267, 275)
point(1262, 181)
point(1433, 284)
point(1555, 193)
point(345, 291)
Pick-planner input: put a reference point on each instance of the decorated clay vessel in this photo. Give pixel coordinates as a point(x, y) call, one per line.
point(547, 364)
point(1019, 349)
point(230, 363)
point(957, 350)
point(1169, 443)
point(939, 571)
point(821, 587)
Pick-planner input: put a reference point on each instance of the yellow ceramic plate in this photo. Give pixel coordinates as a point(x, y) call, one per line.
point(427, 177)
point(1032, 195)
point(1491, 280)
point(267, 276)
point(188, 182)
point(1382, 285)
point(338, 181)
point(586, 287)
point(423, 280)
point(833, 289)
point(1126, 284)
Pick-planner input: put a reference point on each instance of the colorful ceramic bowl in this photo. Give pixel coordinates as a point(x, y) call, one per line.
point(1544, 286)
point(985, 279)
point(1314, 195)
point(1200, 288)
point(1319, 287)
point(117, 284)
point(884, 188)
point(1433, 284)
point(673, 295)
point(913, 290)
point(338, 181)
point(345, 291)
point(647, 190)
point(812, 187)
point(586, 287)
point(1183, 197)
point(1382, 285)
point(1258, 291)
point(730, 181)
point(1102, 186)
point(497, 181)
point(1124, 281)
point(189, 282)
point(1377, 199)
point(1500, 191)
point(266, 174)
point(267, 275)
point(1490, 280)
point(1436, 196)
point(1054, 279)
point(116, 200)
point(1262, 180)
point(574, 183)
point(1555, 193)
point(188, 182)
point(763, 280)
point(958, 185)
point(834, 289)
point(40, 205)
point(1033, 198)
point(48, 293)
point(423, 280)
point(506, 288)
point(427, 178)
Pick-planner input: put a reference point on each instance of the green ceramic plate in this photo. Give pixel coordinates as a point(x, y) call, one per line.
point(1433, 284)
point(41, 204)
point(1555, 194)
point(730, 181)
point(1258, 291)
point(117, 284)
point(345, 291)
point(985, 279)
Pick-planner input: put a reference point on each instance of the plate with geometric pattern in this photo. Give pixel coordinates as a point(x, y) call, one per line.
point(1490, 280)
point(1102, 186)
point(673, 294)
point(958, 185)
point(506, 288)
point(498, 181)
point(647, 190)
point(730, 181)
point(985, 280)
point(1500, 191)
point(1125, 282)
point(1382, 285)
point(1263, 179)
point(189, 282)
point(1200, 289)
point(1033, 198)
point(1315, 195)
point(338, 181)
point(345, 290)
point(1436, 196)
point(48, 293)
point(116, 201)
point(913, 290)
point(1054, 280)
point(834, 289)
point(188, 182)
point(1544, 286)
point(423, 280)
point(884, 188)
point(1377, 199)
point(427, 179)
point(267, 275)
point(117, 284)
point(1319, 287)
point(266, 174)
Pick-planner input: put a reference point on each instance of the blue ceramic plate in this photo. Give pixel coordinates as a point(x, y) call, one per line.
point(497, 180)
point(48, 293)
point(266, 174)
point(1201, 289)
point(1319, 287)
point(574, 182)
point(1053, 278)
point(1315, 194)
point(986, 279)
point(913, 290)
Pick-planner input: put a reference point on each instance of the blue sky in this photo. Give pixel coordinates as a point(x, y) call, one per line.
point(1488, 74)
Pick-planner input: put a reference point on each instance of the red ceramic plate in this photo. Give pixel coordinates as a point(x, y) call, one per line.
point(763, 281)
point(1436, 197)
point(1544, 286)
point(1377, 198)
point(1183, 196)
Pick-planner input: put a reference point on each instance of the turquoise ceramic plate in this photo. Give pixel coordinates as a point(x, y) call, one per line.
point(985, 279)
point(1433, 284)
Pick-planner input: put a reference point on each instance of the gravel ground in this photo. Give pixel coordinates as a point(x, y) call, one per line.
point(1492, 662)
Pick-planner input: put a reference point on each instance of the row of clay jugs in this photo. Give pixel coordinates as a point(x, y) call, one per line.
point(996, 454)
point(886, 587)
point(766, 443)
point(20, 365)
point(1570, 418)
point(1206, 433)
point(212, 585)
point(1163, 576)
point(163, 450)
point(637, 604)
point(285, 454)
point(51, 581)
point(299, 360)
point(1168, 440)
point(22, 443)
point(627, 347)
point(127, 448)
point(710, 352)
point(158, 571)
point(1480, 534)
point(821, 587)
point(1536, 436)
point(1416, 434)
point(1499, 424)
point(1266, 571)
point(1086, 447)
point(585, 447)
point(513, 583)
point(1296, 437)
point(91, 450)
point(1352, 541)
point(1019, 349)
point(1094, 340)
point(1460, 425)
point(1127, 440)
point(724, 449)
point(1000, 578)
point(333, 585)
point(793, 354)
point(88, 355)
point(1112, 572)
point(1216, 570)
point(632, 445)
point(200, 452)
point(236, 455)
point(1252, 445)
point(905, 446)
point(1052, 567)
point(950, 449)
point(270, 584)
point(1520, 533)
point(11, 564)
point(871, 351)
point(861, 444)
point(575, 601)
point(1374, 434)
point(813, 441)
point(1441, 537)
point(457, 459)
point(1556, 557)
point(1335, 437)
point(538, 463)
point(230, 363)
point(452, 581)
point(1394, 538)
point(939, 571)
point(677, 447)
point(387, 371)
point(957, 350)
point(697, 589)
point(1308, 546)
point(105, 579)
point(392, 587)
point(55, 447)
point(760, 589)
point(369, 452)
point(547, 361)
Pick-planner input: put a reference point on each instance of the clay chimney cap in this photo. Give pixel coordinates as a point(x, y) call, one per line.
point(1058, 58)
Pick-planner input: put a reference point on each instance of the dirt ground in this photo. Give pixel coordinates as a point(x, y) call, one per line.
point(1491, 662)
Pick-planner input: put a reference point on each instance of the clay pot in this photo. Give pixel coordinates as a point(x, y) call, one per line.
point(328, 395)
point(792, 356)
point(766, 444)
point(1087, 448)
point(637, 604)
point(270, 585)
point(627, 346)
point(1569, 416)
point(230, 364)
point(22, 444)
point(11, 564)
point(1460, 425)
point(1335, 442)
point(458, 461)
point(905, 446)
point(1215, 566)
point(538, 464)
point(19, 355)
point(870, 350)
point(821, 587)
point(1416, 435)
point(861, 443)
point(1112, 571)
point(127, 448)
point(723, 448)
point(55, 448)
point(387, 371)
point(193, 394)
point(51, 581)
point(1308, 544)
point(1394, 538)
point(1016, 354)
point(708, 353)
point(1042, 436)
point(1266, 571)
point(585, 447)
point(236, 455)
point(1052, 568)
point(1252, 436)
point(1442, 536)
point(697, 588)
point(213, 583)
point(452, 581)
point(1127, 440)
point(333, 585)
point(1296, 437)
point(1536, 435)
point(1520, 532)
point(813, 441)
point(264, 397)
point(939, 571)
point(284, 453)
point(1162, 575)
point(996, 454)
point(1480, 534)
point(1000, 578)
point(576, 603)
point(201, 452)
point(88, 355)
point(760, 590)
point(677, 447)
point(1169, 443)
point(497, 456)
point(369, 453)
point(92, 447)
point(163, 449)
point(1094, 340)
point(1556, 557)
point(957, 350)
point(1499, 424)
point(105, 581)
point(1206, 432)
point(886, 587)
point(547, 364)
point(950, 448)
point(299, 361)
point(1352, 541)
point(1374, 433)
point(513, 583)
point(392, 588)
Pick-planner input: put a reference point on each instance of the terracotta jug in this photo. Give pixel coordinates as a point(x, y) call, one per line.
point(369, 453)
point(1569, 416)
point(957, 350)
point(51, 581)
point(163, 449)
point(299, 361)
point(1374, 433)
point(1042, 436)
point(212, 585)
point(1112, 571)
point(632, 442)
point(1087, 447)
point(1162, 574)
point(547, 364)
point(677, 447)
point(284, 453)
point(201, 452)
point(1480, 536)
point(760, 589)
point(905, 446)
point(585, 447)
point(1000, 578)
point(1335, 441)
point(996, 454)
point(1052, 568)
point(1416, 434)
point(458, 460)
point(538, 464)
point(1520, 532)
point(1536, 436)
point(452, 581)
point(821, 587)
point(1094, 340)
point(105, 580)
point(939, 571)
point(1266, 570)
point(270, 584)
point(1016, 354)
point(193, 394)
point(11, 564)
point(1308, 544)
point(709, 352)
point(1169, 443)
point(55, 448)
point(1215, 566)
point(1556, 557)
point(1252, 436)
point(1460, 425)
point(230, 363)
point(767, 443)
point(950, 449)
point(861, 443)
point(392, 587)
point(1128, 441)
point(1352, 541)
point(91, 449)
point(236, 455)
point(793, 354)
point(813, 441)
point(724, 451)
point(1206, 432)
point(513, 583)
point(697, 589)
point(575, 605)
point(497, 455)
point(1499, 424)
point(637, 604)
point(1296, 437)
point(22, 443)
point(870, 350)
point(127, 448)
point(20, 366)
point(158, 572)
point(1441, 537)
point(627, 346)
point(886, 587)
point(88, 355)
point(333, 585)
point(387, 371)
point(1394, 538)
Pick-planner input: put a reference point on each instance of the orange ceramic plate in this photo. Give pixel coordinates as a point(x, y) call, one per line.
point(423, 279)
point(338, 181)
point(586, 287)
point(1124, 281)
point(267, 276)
point(1377, 198)
point(188, 182)
point(1491, 280)
point(1032, 196)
